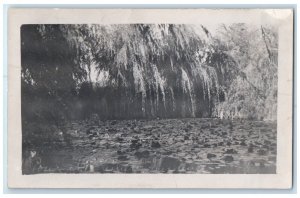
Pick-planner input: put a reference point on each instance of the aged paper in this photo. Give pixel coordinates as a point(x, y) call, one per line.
point(282, 19)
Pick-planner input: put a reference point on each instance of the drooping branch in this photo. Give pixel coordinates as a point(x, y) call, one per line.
point(265, 41)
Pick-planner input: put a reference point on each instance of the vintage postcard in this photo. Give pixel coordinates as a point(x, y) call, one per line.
point(158, 98)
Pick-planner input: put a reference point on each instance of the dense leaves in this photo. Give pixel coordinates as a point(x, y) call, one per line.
point(147, 71)
point(252, 93)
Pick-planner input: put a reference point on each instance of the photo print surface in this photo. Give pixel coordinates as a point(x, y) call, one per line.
point(149, 98)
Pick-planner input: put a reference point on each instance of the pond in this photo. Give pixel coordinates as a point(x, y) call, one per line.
point(189, 145)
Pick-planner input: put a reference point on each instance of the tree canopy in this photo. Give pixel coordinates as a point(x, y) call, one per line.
point(148, 70)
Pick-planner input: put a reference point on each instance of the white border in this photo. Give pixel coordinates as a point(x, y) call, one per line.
point(281, 180)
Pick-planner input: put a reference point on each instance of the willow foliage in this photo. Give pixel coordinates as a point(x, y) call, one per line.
point(150, 70)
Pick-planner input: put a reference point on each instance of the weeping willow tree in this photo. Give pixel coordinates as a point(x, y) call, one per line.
point(148, 70)
point(152, 70)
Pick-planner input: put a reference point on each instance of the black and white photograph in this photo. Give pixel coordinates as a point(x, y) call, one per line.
point(149, 98)
point(140, 98)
